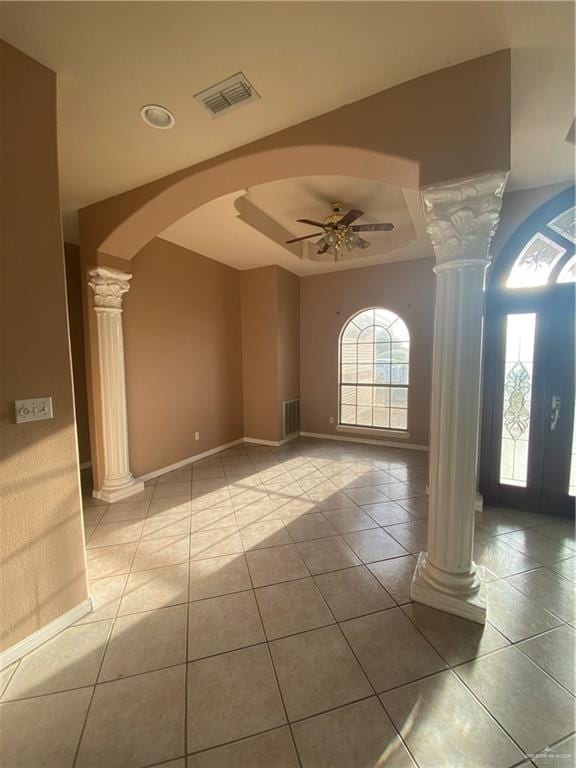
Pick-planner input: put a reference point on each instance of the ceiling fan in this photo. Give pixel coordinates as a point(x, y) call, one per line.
point(339, 231)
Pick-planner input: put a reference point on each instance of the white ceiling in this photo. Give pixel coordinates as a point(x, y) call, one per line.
point(249, 228)
point(304, 59)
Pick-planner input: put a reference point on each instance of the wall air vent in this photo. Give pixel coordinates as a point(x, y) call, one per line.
point(227, 95)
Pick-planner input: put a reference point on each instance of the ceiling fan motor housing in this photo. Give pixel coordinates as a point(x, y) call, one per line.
point(340, 232)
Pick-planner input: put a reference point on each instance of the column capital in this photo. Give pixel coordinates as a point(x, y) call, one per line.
point(109, 286)
point(461, 218)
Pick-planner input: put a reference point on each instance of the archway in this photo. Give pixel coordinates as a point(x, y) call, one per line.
point(216, 180)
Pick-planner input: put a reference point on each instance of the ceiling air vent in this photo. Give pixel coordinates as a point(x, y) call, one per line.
point(227, 95)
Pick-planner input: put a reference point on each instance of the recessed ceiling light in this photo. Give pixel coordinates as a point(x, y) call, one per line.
point(157, 116)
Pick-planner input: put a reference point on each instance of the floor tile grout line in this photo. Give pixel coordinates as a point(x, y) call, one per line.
point(271, 660)
point(106, 646)
point(336, 622)
point(343, 635)
point(368, 563)
point(529, 598)
point(186, 641)
point(541, 668)
point(243, 739)
point(490, 715)
point(452, 667)
point(11, 675)
point(499, 578)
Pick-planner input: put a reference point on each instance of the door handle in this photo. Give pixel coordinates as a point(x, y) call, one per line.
point(555, 403)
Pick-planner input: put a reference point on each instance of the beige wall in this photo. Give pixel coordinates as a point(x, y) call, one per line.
point(431, 129)
point(259, 352)
point(183, 355)
point(288, 293)
point(270, 348)
point(329, 300)
point(76, 326)
point(448, 124)
point(42, 568)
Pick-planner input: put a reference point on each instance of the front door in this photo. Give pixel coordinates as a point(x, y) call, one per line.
point(527, 455)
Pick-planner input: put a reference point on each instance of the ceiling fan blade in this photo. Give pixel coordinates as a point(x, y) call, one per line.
point(306, 237)
point(351, 216)
point(311, 222)
point(372, 227)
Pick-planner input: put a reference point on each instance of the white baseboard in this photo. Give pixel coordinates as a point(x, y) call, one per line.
point(45, 633)
point(190, 460)
point(385, 443)
point(272, 443)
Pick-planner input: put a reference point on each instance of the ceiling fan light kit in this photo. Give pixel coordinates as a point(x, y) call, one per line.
point(340, 235)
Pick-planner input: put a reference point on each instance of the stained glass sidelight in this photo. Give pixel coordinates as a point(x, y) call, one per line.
point(520, 330)
point(535, 263)
point(374, 371)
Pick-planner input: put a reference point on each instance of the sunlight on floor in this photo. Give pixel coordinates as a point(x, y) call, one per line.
point(254, 609)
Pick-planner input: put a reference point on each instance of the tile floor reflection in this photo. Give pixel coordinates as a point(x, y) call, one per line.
point(253, 611)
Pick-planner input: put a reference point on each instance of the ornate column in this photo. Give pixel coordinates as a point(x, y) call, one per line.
point(461, 219)
point(109, 286)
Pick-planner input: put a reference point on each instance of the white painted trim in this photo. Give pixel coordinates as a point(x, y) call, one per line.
point(190, 460)
point(385, 443)
point(273, 443)
point(471, 606)
point(114, 495)
point(47, 632)
point(401, 435)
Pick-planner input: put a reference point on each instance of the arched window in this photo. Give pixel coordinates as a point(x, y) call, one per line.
point(547, 256)
point(374, 371)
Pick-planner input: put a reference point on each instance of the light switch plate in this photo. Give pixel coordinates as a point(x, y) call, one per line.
point(37, 409)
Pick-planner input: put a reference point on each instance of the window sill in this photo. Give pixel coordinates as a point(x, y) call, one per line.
point(397, 433)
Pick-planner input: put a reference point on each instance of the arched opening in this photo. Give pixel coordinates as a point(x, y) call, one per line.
point(374, 371)
point(528, 441)
point(158, 208)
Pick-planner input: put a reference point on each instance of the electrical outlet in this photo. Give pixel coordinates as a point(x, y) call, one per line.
point(33, 410)
point(331, 419)
point(197, 436)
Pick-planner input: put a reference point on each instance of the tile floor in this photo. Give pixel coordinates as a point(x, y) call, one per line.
point(253, 611)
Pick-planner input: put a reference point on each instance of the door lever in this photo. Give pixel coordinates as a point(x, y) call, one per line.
point(555, 403)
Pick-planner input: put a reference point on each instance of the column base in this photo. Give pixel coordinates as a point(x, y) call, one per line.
point(471, 606)
point(112, 495)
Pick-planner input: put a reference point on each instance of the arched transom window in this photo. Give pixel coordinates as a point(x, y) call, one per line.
point(374, 371)
point(548, 256)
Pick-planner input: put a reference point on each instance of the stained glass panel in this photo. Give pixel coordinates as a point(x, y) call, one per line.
point(374, 355)
point(535, 263)
point(520, 330)
point(568, 272)
point(565, 224)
